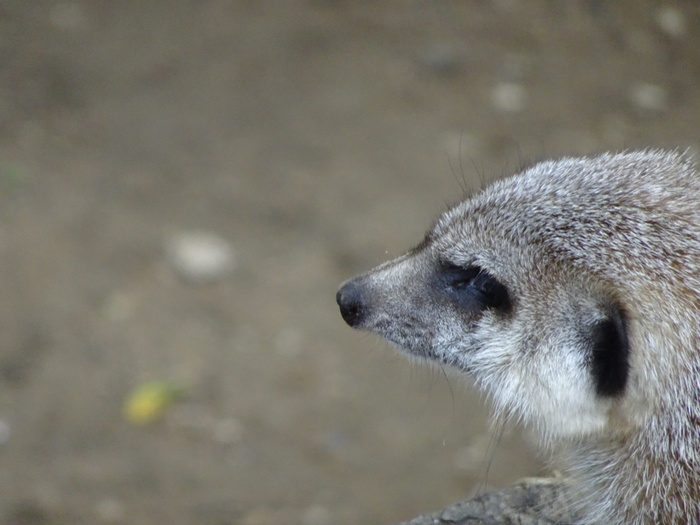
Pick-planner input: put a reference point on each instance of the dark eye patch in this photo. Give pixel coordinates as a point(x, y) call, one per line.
point(474, 288)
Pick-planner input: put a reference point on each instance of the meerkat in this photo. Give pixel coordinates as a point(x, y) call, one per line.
point(570, 293)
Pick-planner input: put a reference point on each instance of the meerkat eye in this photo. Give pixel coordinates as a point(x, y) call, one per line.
point(458, 278)
point(473, 286)
point(494, 293)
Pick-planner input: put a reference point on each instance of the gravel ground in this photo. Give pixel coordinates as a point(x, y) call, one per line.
point(183, 185)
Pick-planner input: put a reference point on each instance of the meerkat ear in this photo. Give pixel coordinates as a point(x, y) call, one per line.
point(610, 352)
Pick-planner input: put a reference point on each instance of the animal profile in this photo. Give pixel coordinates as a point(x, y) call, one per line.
point(570, 292)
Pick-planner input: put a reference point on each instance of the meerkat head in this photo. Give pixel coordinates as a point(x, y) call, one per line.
point(532, 288)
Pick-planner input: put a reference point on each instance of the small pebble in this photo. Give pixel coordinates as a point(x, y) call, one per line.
point(5, 432)
point(316, 515)
point(509, 97)
point(200, 256)
point(262, 516)
point(110, 510)
point(228, 431)
point(118, 307)
point(649, 97)
point(441, 59)
point(672, 21)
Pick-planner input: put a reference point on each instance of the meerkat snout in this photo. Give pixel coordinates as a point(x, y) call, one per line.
point(571, 294)
point(350, 301)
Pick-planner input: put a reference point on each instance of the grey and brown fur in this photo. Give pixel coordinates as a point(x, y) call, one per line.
point(571, 294)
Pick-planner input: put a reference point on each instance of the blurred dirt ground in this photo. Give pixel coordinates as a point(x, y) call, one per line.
point(314, 139)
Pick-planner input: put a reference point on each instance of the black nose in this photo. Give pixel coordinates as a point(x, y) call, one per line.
point(350, 300)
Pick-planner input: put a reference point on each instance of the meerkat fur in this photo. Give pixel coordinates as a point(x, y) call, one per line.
point(570, 292)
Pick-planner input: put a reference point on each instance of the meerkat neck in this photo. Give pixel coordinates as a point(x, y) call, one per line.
point(640, 477)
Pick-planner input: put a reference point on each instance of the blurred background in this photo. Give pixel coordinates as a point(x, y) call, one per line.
point(184, 184)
